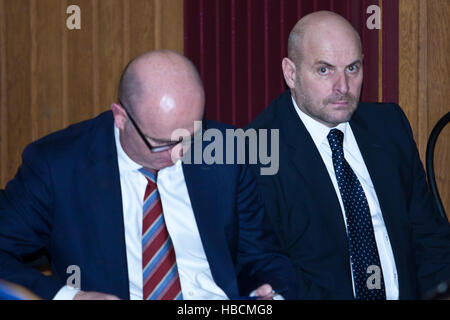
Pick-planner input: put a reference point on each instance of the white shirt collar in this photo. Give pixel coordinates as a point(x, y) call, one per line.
point(317, 130)
point(125, 162)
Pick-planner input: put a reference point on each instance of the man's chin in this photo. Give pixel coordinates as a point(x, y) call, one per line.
point(341, 113)
point(339, 117)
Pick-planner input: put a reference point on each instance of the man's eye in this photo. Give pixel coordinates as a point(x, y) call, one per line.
point(352, 69)
point(323, 70)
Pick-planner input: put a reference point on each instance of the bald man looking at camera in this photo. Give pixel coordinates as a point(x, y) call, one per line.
point(350, 202)
point(112, 198)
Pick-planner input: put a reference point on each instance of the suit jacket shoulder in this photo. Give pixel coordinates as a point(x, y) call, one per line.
point(77, 138)
point(269, 118)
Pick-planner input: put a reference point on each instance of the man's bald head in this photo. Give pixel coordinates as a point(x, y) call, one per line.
point(154, 65)
point(315, 24)
point(163, 93)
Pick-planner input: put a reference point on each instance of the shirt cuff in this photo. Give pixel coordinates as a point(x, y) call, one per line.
point(66, 293)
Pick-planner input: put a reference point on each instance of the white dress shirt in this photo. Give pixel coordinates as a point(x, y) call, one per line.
point(354, 158)
point(195, 275)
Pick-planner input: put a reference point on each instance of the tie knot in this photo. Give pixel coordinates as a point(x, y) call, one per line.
point(335, 139)
point(149, 175)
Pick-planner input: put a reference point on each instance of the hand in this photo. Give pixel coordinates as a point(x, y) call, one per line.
point(92, 295)
point(265, 292)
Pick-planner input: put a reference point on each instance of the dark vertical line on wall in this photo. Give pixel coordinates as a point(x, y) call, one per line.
point(363, 29)
point(282, 42)
point(390, 50)
point(157, 14)
point(233, 62)
point(266, 52)
point(33, 78)
point(331, 5)
point(249, 62)
point(299, 9)
point(126, 32)
point(64, 70)
point(217, 60)
point(381, 61)
point(314, 5)
point(347, 10)
point(95, 66)
point(422, 63)
point(3, 98)
point(202, 40)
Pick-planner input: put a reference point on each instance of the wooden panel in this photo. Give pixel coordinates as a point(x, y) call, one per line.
point(424, 84)
point(80, 67)
point(46, 64)
point(155, 25)
point(126, 32)
point(3, 112)
point(408, 60)
point(171, 23)
point(422, 95)
point(142, 35)
point(110, 51)
point(16, 41)
point(51, 77)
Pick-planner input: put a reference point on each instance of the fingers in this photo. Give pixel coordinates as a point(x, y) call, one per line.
point(265, 292)
point(111, 297)
point(92, 295)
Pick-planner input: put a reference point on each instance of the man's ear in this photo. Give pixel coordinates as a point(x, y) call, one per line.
point(289, 71)
point(120, 115)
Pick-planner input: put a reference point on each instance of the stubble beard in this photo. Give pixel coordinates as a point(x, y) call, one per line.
point(322, 114)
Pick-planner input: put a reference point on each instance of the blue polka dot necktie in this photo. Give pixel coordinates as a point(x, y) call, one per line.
point(364, 258)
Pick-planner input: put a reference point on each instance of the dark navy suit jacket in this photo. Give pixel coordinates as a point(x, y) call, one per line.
point(305, 210)
point(66, 197)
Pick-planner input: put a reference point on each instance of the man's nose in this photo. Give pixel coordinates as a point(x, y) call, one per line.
point(341, 84)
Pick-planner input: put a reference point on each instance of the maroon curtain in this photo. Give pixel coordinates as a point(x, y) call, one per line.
point(238, 46)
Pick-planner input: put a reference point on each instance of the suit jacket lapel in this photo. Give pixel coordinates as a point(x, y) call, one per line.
point(381, 170)
point(307, 161)
point(101, 184)
point(201, 182)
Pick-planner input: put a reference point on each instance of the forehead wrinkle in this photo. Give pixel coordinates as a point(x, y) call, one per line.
point(330, 54)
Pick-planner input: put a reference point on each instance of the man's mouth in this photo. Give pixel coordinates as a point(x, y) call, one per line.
point(340, 102)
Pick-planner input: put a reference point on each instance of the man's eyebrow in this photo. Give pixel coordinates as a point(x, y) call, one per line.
point(355, 62)
point(324, 63)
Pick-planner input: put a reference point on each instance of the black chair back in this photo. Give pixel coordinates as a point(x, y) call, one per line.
point(430, 161)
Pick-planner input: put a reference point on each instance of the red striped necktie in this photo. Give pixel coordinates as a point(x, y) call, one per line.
point(160, 273)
